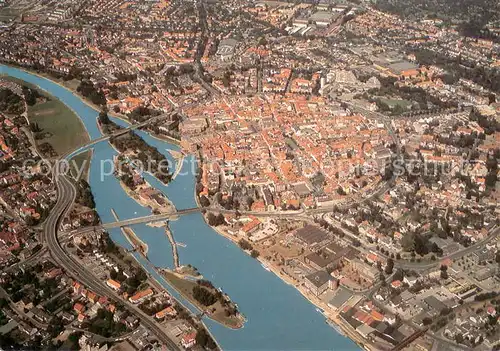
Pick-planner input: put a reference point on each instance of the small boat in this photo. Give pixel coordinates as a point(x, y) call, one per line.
point(265, 267)
point(181, 244)
point(320, 310)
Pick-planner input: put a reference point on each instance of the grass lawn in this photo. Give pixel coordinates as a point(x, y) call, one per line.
point(185, 288)
point(9, 14)
point(291, 144)
point(393, 103)
point(22, 82)
point(70, 84)
point(81, 163)
point(65, 131)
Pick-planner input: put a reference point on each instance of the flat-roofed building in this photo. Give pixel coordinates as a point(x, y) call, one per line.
point(365, 271)
point(311, 235)
point(316, 261)
point(226, 49)
point(318, 282)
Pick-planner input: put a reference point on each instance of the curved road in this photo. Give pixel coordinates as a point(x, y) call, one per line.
point(66, 194)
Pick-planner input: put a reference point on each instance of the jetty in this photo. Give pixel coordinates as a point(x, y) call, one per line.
point(137, 244)
point(179, 157)
point(175, 254)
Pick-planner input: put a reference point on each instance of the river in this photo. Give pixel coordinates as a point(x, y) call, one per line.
point(279, 317)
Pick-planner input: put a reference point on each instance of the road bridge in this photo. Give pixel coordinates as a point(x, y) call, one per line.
point(66, 192)
point(296, 215)
point(115, 134)
point(66, 195)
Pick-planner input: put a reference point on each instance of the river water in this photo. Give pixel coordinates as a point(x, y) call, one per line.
point(279, 317)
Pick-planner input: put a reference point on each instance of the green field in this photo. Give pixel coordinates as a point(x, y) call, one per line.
point(9, 14)
point(64, 129)
point(185, 288)
point(60, 125)
point(392, 103)
point(81, 163)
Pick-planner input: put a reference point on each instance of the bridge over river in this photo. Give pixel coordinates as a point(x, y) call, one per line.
point(115, 134)
point(300, 215)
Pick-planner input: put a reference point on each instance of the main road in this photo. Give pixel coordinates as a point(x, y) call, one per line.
point(66, 194)
point(303, 215)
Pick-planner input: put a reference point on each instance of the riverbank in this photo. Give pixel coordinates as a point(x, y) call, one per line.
point(80, 165)
point(168, 207)
point(58, 125)
point(263, 298)
point(73, 90)
point(179, 158)
point(162, 137)
point(328, 312)
point(52, 80)
point(175, 253)
point(135, 241)
point(215, 311)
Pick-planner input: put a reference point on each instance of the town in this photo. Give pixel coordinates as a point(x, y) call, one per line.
point(349, 147)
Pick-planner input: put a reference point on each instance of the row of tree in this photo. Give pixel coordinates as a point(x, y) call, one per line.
point(459, 67)
point(91, 92)
point(10, 102)
point(204, 296)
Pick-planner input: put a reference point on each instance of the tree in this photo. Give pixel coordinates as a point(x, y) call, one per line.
point(73, 338)
point(204, 201)
point(389, 266)
point(427, 321)
point(408, 242)
point(103, 117)
point(262, 41)
point(55, 327)
point(254, 253)
point(214, 220)
point(211, 218)
point(31, 95)
point(204, 296)
point(382, 279)
point(204, 340)
point(35, 128)
point(444, 272)
point(399, 275)
point(245, 245)
point(87, 89)
point(421, 245)
point(249, 202)
point(490, 180)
